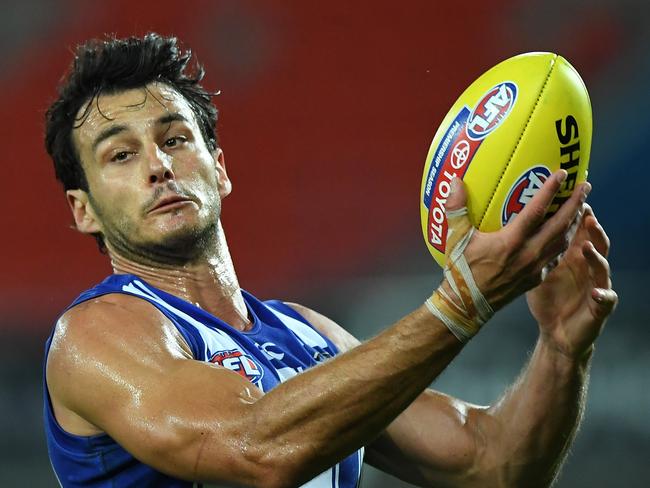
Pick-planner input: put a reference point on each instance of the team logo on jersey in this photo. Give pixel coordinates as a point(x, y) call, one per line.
point(239, 362)
point(493, 108)
point(523, 191)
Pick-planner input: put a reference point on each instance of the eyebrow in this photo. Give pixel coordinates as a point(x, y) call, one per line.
point(108, 132)
point(171, 117)
point(117, 129)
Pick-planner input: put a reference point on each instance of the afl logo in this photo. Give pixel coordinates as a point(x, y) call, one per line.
point(491, 110)
point(240, 363)
point(523, 191)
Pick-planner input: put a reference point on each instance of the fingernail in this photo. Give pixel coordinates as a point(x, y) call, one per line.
point(562, 176)
point(454, 184)
point(587, 188)
point(598, 295)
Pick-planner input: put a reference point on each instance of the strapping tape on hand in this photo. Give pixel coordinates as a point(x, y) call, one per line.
point(465, 309)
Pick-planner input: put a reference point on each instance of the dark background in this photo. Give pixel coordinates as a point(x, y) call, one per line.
point(327, 112)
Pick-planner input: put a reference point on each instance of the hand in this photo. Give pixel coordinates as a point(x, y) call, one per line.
point(509, 262)
point(576, 297)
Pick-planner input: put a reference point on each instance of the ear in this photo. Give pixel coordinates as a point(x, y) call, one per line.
point(84, 215)
point(225, 185)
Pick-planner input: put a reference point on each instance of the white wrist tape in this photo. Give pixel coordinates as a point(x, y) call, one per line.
point(466, 311)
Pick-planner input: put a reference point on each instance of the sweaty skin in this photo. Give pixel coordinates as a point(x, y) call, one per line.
point(157, 152)
point(117, 365)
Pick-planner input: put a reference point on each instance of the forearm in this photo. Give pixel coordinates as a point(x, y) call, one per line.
point(310, 422)
point(528, 432)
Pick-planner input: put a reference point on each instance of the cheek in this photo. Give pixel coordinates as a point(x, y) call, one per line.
point(202, 180)
point(205, 190)
point(116, 200)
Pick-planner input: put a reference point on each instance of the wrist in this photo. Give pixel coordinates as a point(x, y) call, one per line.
point(461, 308)
point(563, 355)
point(458, 302)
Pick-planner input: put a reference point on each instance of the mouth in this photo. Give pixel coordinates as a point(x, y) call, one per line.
point(169, 203)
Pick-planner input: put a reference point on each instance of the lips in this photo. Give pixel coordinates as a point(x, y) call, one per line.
point(168, 203)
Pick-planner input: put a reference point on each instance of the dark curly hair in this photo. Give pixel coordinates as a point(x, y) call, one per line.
point(108, 67)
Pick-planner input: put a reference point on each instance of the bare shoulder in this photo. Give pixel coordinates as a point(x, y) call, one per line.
point(101, 322)
point(100, 335)
point(341, 338)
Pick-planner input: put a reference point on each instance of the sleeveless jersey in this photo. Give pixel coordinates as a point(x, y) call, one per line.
point(280, 344)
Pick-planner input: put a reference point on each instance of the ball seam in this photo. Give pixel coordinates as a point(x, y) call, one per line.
point(505, 168)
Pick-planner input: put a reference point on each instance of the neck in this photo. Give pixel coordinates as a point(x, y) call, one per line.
point(209, 283)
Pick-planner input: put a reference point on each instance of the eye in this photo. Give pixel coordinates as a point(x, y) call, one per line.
point(175, 141)
point(121, 156)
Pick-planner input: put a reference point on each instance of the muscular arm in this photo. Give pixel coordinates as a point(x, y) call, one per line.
point(114, 366)
point(519, 441)
point(522, 439)
point(117, 363)
point(442, 441)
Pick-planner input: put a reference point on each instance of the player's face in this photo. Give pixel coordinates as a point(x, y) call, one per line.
point(155, 188)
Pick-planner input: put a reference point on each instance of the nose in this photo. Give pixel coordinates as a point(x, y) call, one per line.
point(160, 166)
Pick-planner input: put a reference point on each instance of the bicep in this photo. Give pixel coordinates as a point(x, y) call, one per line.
point(136, 384)
point(436, 441)
point(186, 418)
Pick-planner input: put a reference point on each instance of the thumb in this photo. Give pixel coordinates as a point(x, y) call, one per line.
point(458, 221)
point(457, 196)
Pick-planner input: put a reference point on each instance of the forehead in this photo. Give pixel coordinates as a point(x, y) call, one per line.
point(137, 108)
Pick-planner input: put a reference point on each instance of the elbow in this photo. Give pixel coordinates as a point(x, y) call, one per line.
point(505, 463)
point(494, 465)
point(235, 453)
point(275, 467)
point(248, 462)
point(278, 479)
point(487, 460)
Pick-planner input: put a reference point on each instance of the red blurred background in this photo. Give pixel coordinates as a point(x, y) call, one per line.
point(326, 113)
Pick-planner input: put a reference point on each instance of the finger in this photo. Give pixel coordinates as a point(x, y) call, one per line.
point(459, 223)
point(532, 215)
point(457, 196)
point(558, 226)
point(573, 233)
point(606, 298)
point(596, 231)
point(569, 242)
point(598, 236)
point(598, 266)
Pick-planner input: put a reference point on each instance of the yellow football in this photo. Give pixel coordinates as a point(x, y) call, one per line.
point(515, 125)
